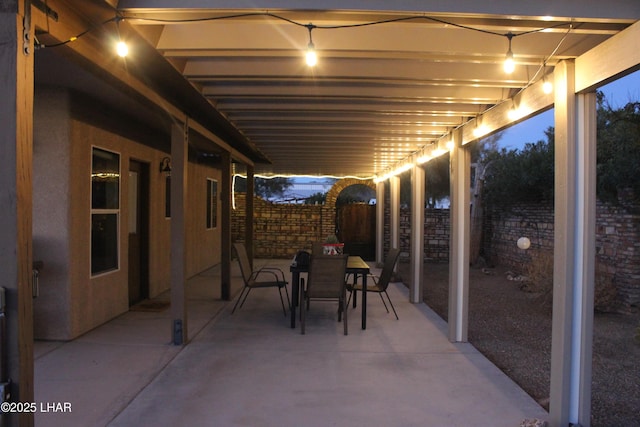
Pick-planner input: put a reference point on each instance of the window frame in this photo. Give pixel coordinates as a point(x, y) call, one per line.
point(95, 211)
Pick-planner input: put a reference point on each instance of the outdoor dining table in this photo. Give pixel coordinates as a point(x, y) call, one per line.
point(355, 265)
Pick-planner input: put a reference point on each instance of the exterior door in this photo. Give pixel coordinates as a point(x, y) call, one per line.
point(138, 225)
point(357, 229)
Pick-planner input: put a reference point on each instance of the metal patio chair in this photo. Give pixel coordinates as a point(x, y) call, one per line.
point(380, 283)
point(250, 277)
point(325, 282)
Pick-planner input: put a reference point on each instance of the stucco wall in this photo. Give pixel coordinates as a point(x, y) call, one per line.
point(71, 301)
point(51, 158)
point(203, 245)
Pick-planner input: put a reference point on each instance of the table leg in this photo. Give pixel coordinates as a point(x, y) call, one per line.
point(295, 292)
point(364, 301)
point(354, 293)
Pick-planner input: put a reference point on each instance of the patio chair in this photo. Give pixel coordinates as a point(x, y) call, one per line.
point(316, 248)
point(325, 282)
point(380, 283)
point(275, 278)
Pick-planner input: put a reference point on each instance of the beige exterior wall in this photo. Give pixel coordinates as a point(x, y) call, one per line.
point(73, 302)
point(203, 245)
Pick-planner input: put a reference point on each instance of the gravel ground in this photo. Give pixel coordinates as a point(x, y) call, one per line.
point(512, 328)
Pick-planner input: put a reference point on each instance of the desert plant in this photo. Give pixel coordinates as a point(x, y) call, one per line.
point(332, 238)
point(539, 273)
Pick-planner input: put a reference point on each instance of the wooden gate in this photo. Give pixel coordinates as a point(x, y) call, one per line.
point(357, 229)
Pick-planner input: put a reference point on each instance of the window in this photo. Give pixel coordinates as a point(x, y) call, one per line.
point(105, 211)
point(212, 203)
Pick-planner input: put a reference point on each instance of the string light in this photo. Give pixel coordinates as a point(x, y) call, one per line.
point(121, 47)
point(311, 56)
point(509, 63)
point(480, 130)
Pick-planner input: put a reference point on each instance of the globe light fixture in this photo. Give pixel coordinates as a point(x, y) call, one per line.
point(524, 243)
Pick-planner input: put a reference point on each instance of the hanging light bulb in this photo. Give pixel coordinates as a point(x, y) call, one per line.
point(509, 64)
point(122, 49)
point(311, 56)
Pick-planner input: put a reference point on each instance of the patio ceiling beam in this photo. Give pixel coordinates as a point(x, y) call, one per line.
point(424, 70)
point(610, 60)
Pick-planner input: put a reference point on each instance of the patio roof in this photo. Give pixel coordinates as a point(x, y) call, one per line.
point(393, 81)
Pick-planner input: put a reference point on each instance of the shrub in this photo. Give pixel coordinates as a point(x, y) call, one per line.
point(539, 272)
point(540, 280)
point(605, 292)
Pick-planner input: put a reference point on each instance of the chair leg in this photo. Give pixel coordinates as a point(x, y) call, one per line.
point(240, 298)
point(302, 309)
point(344, 309)
point(284, 310)
point(394, 309)
point(287, 293)
point(385, 304)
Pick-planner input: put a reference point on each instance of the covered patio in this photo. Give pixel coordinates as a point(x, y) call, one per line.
point(252, 369)
point(425, 81)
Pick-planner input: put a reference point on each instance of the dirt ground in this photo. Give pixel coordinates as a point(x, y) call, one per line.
point(512, 328)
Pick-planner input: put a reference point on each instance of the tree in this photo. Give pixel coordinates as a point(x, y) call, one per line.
point(437, 186)
point(618, 149)
point(355, 193)
point(265, 188)
point(517, 176)
point(528, 175)
point(316, 199)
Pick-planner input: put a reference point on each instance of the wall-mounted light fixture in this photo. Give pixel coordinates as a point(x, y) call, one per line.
point(165, 166)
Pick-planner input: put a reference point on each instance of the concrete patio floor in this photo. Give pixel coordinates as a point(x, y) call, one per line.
point(252, 369)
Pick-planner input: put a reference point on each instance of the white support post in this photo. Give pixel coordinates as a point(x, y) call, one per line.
point(380, 223)
point(460, 176)
point(574, 251)
point(564, 241)
point(417, 234)
point(394, 205)
point(179, 172)
point(582, 347)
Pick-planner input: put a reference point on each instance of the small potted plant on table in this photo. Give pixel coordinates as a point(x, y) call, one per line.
point(332, 246)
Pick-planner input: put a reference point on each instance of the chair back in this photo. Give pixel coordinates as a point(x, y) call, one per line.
point(316, 248)
point(243, 260)
point(387, 268)
point(326, 276)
